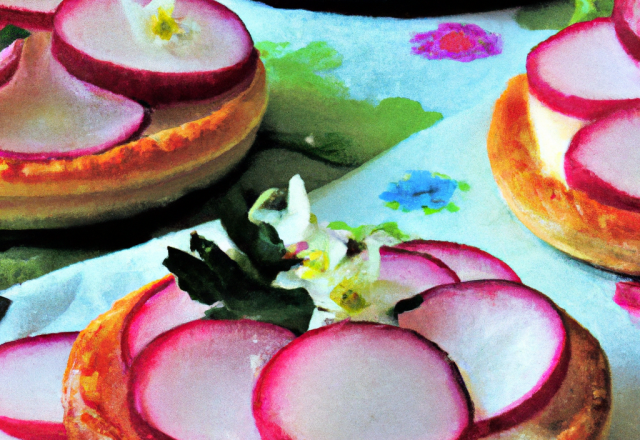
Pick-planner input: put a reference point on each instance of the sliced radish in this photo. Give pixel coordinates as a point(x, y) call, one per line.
point(584, 71)
point(603, 160)
point(627, 296)
point(46, 113)
point(165, 309)
point(508, 340)
point(468, 262)
point(9, 60)
point(36, 15)
point(213, 53)
point(196, 380)
point(31, 386)
point(361, 381)
point(415, 271)
point(626, 18)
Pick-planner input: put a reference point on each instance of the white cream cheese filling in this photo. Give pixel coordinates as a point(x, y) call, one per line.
point(553, 133)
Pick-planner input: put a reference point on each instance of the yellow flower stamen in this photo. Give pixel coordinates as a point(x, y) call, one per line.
point(346, 296)
point(164, 25)
point(315, 262)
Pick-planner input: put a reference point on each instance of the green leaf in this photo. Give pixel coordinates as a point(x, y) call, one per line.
point(452, 207)
point(360, 232)
point(464, 186)
point(561, 13)
point(216, 277)
point(194, 276)
point(221, 313)
point(393, 205)
point(4, 306)
point(259, 242)
point(429, 211)
point(310, 109)
point(10, 33)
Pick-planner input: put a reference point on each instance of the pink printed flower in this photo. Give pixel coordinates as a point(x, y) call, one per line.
point(457, 41)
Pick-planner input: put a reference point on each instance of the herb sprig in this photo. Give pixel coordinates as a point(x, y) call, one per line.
point(241, 287)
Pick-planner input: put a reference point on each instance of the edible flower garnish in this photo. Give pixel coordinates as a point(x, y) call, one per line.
point(279, 264)
point(155, 23)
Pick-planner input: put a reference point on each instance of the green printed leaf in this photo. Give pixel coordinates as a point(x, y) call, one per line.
point(310, 109)
point(561, 13)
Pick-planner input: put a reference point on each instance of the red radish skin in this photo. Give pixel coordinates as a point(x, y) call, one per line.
point(583, 71)
point(196, 380)
point(626, 21)
point(484, 326)
point(627, 296)
point(414, 270)
point(29, 14)
point(9, 60)
point(164, 309)
point(469, 263)
point(31, 388)
point(603, 160)
point(151, 85)
point(45, 113)
point(361, 380)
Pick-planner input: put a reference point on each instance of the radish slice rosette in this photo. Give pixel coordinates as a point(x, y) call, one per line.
point(416, 271)
point(196, 381)
point(508, 340)
point(361, 381)
point(46, 113)
point(603, 160)
point(35, 15)
point(469, 263)
point(583, 71)
point(163, 52)
point(165, 309)
point(31, 386)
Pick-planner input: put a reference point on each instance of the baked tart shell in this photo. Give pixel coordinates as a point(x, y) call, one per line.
point(567, 219)
point(127, 179)
point(95, 384)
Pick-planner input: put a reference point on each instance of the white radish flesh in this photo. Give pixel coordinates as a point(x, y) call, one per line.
point(469, 263)
point(196, 381)
point(361, 381)
point(413, 270)
point(31, 387)
point(164, 310)
point(508, 340)
point(212, 53)
point(584, 71)
point(603, 160)
point(46, 113)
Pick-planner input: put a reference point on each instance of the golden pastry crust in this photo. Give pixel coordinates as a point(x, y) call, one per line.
point(127, 179)
point(567, 219)
point(95, 384)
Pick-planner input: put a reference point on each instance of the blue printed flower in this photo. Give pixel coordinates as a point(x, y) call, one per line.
point(424, 190)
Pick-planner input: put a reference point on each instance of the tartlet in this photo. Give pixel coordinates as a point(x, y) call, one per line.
point(178, 152)
point(567, 219)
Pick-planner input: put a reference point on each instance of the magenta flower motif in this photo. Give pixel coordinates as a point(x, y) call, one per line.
point(457, 41)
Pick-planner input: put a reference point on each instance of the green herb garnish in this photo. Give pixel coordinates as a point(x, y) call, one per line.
point(241, 287)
